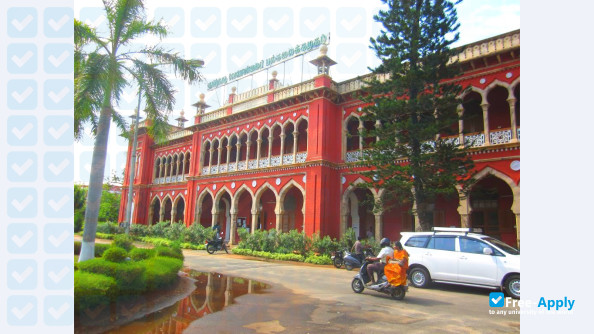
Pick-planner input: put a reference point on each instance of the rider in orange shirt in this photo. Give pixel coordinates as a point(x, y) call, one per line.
point(396, 268)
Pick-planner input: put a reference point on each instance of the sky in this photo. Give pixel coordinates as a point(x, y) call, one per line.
point(230, 35)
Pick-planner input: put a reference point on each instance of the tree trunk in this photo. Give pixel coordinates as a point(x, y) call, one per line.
point(87, 250)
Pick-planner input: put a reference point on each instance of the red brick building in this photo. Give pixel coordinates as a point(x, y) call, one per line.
point(279, 157)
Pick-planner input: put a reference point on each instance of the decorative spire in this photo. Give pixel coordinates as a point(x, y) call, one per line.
point(323, 62)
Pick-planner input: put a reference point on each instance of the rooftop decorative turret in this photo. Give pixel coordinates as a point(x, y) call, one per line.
point(323, 62)
point(200, 106)
point(181, 119)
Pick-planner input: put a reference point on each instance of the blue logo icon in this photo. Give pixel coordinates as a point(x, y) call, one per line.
point(496, 299)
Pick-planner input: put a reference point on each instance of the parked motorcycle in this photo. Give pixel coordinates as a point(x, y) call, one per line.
point(358, 284)
point(351, 261)
point(216, 244)
point(337, 258)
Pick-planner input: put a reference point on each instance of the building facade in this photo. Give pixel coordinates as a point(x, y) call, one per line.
point(282, 157)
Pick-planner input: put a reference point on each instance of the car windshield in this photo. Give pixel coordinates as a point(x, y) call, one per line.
point(507, 248)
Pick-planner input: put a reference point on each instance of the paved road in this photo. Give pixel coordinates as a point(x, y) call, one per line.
point(314, 299)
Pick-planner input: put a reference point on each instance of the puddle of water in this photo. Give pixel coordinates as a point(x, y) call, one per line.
point(212, 293)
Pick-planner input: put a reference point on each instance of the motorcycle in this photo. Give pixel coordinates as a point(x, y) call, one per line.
point(337, 258)
point(358, 284)
point(216, 244)
point(351, 261)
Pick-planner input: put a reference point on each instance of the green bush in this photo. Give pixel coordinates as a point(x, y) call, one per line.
point(100, 235)
point(115, 254)
point(92, 290)
point(99, 248)
point(158, 229)
point(268, 255)
point(123, 241)
point(161, 272)
point(129, 276)
point(138, 254)
point(79, 220)
point(323, 259)
point(293, 241)
point(139, 230)
point(171, 251)
point(323, 245)
point(175, 231)
point(109, 228)
point(197, 234)
point(347, 240)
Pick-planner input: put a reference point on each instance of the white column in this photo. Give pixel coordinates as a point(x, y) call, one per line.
point(485, 107)
point(512, 119)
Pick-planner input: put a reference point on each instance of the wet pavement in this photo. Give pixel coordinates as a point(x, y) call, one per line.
point(314, 299)
point(240, 295)
point(169, 311)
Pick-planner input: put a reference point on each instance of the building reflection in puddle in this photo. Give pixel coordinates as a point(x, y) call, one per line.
point(213, 293)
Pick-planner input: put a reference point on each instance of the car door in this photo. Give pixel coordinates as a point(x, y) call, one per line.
point(474, 266)
point(440, 257)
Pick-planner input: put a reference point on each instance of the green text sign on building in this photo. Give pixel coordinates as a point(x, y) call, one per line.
point(295, 51)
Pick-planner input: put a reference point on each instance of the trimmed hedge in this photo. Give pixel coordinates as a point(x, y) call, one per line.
point(322, 259)
point(115, 254)
point(99, 248)
point(123, 241)
point(92, 290)
point(173, 251)
point(139, 254)
point(161, 272)
point(268, 255)
point(128, 275)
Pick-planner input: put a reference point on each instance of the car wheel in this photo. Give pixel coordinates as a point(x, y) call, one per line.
point(419, 278)
point(210, 248)
point(357, 285)
point(398, 293)
point(512, 286)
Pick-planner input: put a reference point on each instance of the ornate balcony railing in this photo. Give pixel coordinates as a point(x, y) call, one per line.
point(250, 104)
point(294, 90)
point(500, 136)
point(475, 140)
point(169, 179)
point(353, 156)
point(287, 159)
point(179, 134)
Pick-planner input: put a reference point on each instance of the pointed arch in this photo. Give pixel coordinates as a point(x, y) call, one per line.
point(283, 192)
point(238, 194)
point(496, 83)
point(260, 191)
point(515, 188)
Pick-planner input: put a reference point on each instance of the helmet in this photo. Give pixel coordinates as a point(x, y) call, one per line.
point(385, 242)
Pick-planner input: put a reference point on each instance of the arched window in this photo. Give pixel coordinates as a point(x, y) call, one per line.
point(473, 113)
point(353, 134)
point(370, 138)
point(264, 144)
point(302, 136)
point(206, 154)
point(289, 138)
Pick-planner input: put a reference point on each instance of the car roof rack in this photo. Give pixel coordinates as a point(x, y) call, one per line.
point(466, 230)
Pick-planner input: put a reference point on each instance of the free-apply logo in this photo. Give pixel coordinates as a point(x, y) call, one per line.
point(496, 299)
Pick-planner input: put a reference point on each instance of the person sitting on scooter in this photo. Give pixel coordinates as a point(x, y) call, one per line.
point(378, 267)
point(397, 266)
point(357, 250)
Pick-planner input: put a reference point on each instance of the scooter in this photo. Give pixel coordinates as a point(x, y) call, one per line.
point(337, 258)
point(351, 261)
point(358, 284)
point(216, 244)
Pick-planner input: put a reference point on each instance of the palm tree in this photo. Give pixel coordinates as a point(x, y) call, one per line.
point(100, 66)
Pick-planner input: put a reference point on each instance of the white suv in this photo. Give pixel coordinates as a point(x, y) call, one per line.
point(458, 256)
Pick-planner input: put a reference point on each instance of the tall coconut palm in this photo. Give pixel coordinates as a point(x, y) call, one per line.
point(101, 66)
